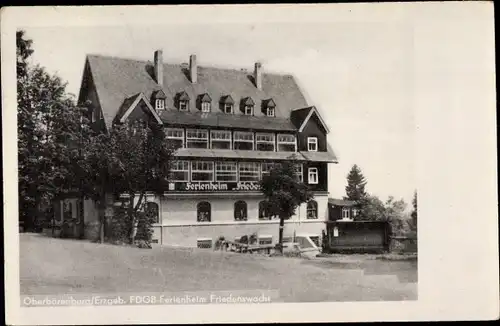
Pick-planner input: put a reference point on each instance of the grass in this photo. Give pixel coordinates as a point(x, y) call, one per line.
point(55, 266)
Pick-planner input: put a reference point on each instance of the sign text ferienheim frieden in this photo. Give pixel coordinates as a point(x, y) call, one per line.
point(215, 186)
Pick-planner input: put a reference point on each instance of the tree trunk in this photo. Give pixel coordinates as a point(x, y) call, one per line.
point(280, 237)
point(132, 216)
point(102, 217)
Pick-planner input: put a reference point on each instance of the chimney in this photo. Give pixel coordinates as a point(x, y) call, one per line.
point(159, 67)
point(257, 75)
point(193, 68)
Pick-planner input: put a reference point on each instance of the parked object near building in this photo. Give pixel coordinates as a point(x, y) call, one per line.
point(230, 127)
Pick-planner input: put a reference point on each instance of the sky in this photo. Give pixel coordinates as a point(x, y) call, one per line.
point(358, 74)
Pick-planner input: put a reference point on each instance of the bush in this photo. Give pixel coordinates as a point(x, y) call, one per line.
point(119, 226)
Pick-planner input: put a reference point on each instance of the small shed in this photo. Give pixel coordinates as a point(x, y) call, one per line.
point(357, 236)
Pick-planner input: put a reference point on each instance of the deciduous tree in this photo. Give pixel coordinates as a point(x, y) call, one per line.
point(49, 128)
point(131, 160)
point(284, 193)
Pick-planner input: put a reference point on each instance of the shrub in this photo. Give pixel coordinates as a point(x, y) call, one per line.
point(119, 226)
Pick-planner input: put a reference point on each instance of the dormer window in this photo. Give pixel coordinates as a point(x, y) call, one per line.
point(158, 100)
point(160, 104)
point(247, 106)
point(183, 105)
point(205, 103)
point(227, 104)
point(205, 107)
point(269, 108)
point(248, 109)
point(183, 101)
point(228, 108)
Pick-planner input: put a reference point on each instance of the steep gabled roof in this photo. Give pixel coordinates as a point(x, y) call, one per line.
point(117, 79)
point(301, 116)
point(132, 103)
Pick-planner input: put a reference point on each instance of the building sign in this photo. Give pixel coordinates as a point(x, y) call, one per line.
point(214, 186)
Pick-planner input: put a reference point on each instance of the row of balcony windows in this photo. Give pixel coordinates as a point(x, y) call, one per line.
point(238, 140)
point(204, 171)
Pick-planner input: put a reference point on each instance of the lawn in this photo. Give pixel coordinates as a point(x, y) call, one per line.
point(57, 266)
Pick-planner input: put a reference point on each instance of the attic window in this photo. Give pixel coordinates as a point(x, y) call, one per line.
point(205, 107)
point(227, 104)
point(247, 106)
point(159, 104)
point(183, 105)
point(183, 101)
point(228, 108)
point(248, 109)
point(269, 108)
point(205, 102)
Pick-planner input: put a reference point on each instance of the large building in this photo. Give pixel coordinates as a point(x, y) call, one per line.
point(230, 127)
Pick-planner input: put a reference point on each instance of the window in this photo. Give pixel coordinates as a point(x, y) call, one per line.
point(160, 104)
point(345, 212)
point(196, 138)
point(267, 167)
point(228, 108)
point(355, 212)
point(183, 105)
point(265, 210)
point(264, 142)
point(220, 139)
point(226, 172)
point(240, 211)
point(205, 107)
point(270, 112)
point(243, 140)
point(204, 213)
point(202, 171)
point(286, 143)
point(153, 210)
point(313, 176)
point(299, 174)
point(204, 243)
point(175, 137)
point(249, 172)
point(248, 109)
point(312, 144)
point(265, 240)
point(312, 210)
point(179, 171)
point(94, 114)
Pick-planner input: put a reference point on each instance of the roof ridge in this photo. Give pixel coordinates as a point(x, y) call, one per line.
point(209, 66)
